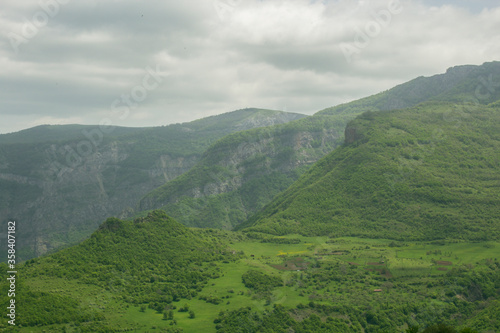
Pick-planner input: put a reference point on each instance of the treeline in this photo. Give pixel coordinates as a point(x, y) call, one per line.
point(279, 320)
point(281, 240)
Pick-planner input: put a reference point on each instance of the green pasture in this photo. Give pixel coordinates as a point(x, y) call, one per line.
point(403, 260)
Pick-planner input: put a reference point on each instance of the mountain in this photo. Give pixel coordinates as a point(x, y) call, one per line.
point(61, 133)
point(243, 172)
point(395, 230)
point(152, 260)
point(58, 182)
point(417, 173)
point(462, 85)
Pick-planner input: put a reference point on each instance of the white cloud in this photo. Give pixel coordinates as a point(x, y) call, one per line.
point(277, 54)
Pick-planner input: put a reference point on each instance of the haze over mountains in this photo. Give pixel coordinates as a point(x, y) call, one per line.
point(69, 178)
point(240, 173)
point(60, 182)
point(379, 215)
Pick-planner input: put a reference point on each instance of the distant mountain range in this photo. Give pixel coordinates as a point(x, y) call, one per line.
point(61, 181)
point(241, 173)
point(379, 215)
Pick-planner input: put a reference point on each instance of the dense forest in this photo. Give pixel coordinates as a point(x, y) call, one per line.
point(406, 174)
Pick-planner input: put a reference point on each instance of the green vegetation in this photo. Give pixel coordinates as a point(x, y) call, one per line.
point(460, 85)
point(58, 134)
point(165, 276)
point(195, 137)
point(152, 261)
point(244, 171)
point(61, 181)
point(395, 231)
point(406, 175)
point(260, 281)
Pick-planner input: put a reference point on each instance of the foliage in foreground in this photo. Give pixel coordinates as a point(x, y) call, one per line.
point(152, 260)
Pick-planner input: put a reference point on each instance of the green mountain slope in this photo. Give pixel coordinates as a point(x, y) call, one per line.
point(243, 172)
point(59, 133)
point(404, 180)
point(152, 260)
point(461, 85)
point(58, 182)
point(404, 174)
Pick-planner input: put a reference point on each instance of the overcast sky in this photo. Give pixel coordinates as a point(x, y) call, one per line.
point(150, 63)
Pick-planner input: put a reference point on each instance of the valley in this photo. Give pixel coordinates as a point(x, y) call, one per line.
point(379, 215)
point(350, 277)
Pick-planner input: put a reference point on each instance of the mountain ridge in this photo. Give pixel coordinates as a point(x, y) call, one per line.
point(227, 185)
point(395, 229)
point(388, 180)
point(61, 190)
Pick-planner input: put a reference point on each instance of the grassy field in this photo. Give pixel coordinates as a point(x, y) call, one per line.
point(394, 264)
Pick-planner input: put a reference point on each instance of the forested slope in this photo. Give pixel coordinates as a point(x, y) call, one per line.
point(403, 174)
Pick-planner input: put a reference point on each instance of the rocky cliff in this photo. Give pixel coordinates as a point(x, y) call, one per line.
point(242, 172)
point(60, 191)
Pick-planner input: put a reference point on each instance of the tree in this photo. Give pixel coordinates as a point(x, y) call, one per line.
point(442, 328)
point(412, 329)
point(191, 314)
point(439, 328)
point(185, 308)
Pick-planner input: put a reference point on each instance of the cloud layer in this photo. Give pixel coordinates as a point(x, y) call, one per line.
point(159, 62)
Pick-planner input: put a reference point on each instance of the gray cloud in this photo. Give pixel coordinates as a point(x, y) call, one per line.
point(215, 56)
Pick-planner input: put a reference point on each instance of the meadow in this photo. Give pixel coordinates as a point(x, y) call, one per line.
point(354, 273)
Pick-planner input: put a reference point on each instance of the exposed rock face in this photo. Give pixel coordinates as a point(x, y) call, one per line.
point(242, 166)
point(59, 184)
point(61, 205)
point(275, 119)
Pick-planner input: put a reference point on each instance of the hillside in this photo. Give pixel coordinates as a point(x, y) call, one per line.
point(58, 182)
point(60, 133)
point(461, 85)
point(390, 224)
point(403, 174)
point(153, 274)
point(152, 260)
point(243, 172)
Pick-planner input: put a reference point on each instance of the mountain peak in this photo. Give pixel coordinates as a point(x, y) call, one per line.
point(461, 70)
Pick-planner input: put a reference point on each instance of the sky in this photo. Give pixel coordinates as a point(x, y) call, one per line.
point(151, 63)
